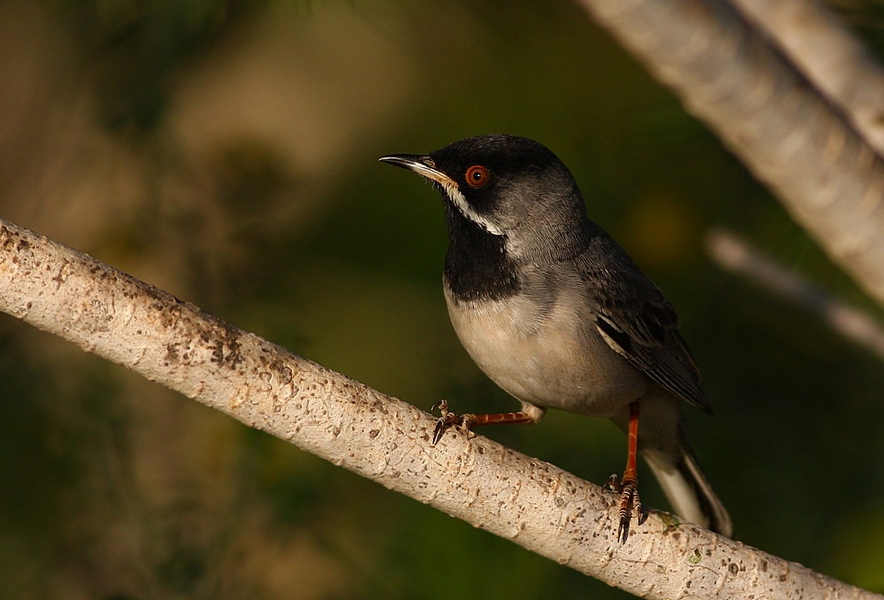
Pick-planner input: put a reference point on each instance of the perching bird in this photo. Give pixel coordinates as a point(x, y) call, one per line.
point(556, 313)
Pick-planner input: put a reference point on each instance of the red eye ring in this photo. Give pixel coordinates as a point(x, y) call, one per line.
point(477, 176)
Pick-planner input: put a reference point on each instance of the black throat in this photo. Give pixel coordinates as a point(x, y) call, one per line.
point(476, 266)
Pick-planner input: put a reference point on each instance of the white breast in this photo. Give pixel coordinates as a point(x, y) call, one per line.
point(548, 356)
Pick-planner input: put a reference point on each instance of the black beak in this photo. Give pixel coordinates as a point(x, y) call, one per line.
point(422, 165)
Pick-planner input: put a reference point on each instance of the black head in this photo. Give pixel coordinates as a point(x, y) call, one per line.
point(510, 187)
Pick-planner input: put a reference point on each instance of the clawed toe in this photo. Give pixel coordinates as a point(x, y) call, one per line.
point(630, 503)
point(449, 419)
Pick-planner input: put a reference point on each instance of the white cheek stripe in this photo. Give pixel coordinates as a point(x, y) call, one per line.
point(466, 210)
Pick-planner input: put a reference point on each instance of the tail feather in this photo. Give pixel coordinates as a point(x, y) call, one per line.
point(689, 492)
point(663, 442)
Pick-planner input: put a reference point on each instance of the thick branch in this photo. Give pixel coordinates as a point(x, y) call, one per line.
point(838, 64)
point(769, 114)
point(530, 502)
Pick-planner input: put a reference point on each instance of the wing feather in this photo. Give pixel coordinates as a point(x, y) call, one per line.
point(637, 322)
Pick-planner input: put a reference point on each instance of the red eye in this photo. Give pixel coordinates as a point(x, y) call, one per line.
point(477, 176)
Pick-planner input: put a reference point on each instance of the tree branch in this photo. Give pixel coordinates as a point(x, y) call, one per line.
point(528, 501)
point(838, 64)
point(770, 115)
point(736, 255)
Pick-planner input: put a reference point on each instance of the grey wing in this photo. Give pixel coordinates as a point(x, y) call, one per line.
point(637, 322)
point(655, 346)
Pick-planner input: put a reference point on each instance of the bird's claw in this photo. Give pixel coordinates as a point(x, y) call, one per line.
point(449, 419)
point(629, 503)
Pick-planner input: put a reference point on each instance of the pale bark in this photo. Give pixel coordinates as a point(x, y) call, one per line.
point(838, 64)
point(770, 115)
point(528, 501)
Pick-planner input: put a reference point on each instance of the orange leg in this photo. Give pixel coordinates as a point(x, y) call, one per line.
point(468, 421)
point(628, 484)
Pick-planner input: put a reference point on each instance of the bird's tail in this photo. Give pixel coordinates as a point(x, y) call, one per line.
point(689, 492)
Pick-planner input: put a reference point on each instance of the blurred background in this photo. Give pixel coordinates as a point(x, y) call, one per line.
point(227, 151)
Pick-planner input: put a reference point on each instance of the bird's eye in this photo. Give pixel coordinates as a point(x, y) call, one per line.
point(477, 176)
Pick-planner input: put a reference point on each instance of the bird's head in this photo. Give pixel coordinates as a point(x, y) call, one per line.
point(509, 186)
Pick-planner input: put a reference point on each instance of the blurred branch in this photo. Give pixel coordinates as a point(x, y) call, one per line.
point(530, 502)
point(736, 255)
point(827, 52)
point(770, 114)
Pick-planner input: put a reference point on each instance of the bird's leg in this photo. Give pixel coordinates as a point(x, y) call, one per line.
point(628, 484)
point(468, 421)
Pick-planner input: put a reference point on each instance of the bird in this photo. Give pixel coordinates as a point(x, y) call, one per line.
point(557, 314)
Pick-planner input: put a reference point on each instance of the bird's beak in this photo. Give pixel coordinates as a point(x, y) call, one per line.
point(422, 165)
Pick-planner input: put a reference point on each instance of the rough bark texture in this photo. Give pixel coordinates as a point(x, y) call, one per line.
point(531, 502)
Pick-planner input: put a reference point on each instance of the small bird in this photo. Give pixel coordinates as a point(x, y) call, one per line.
point(556, 313)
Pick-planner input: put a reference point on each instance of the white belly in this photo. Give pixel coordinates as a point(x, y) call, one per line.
point(554, 359)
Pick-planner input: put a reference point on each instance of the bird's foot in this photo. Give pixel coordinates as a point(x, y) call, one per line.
point(450, 419)
point(629, 503)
